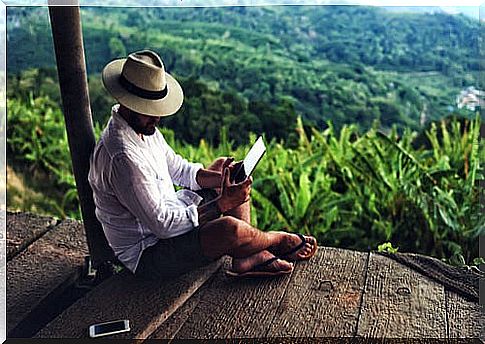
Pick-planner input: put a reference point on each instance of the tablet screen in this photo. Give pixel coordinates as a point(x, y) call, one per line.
point(253, 156)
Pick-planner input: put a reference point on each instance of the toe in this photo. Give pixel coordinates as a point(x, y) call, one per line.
point(307, 249)
point(283, 265)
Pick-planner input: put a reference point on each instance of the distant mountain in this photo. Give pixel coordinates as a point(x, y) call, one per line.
point(344, 34)
point(345, 64)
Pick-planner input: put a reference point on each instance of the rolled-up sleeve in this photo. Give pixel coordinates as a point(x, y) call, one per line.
point(182, 172)
point(139, 192)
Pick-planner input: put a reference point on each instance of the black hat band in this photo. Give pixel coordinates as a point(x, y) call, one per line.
point(140, 92)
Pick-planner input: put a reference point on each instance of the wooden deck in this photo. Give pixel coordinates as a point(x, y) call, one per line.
point(339, 293)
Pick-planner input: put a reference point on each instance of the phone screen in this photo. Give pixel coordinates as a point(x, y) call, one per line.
point(253, 156)
point(246, 167)
point(110, 327)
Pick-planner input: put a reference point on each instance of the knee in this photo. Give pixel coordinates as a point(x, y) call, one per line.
point(230, 226)
point(233, 230)
point(217, 164)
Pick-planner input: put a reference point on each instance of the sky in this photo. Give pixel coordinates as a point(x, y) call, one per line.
point(458, 4)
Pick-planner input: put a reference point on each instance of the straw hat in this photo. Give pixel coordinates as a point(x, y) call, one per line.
point(140, 83)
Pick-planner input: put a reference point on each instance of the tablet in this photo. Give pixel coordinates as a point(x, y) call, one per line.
point(250, 162)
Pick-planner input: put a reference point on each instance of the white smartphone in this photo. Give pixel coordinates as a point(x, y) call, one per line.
point(109, 328)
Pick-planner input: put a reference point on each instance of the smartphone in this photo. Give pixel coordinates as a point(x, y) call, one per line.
point(109, 328)
point(245, 168)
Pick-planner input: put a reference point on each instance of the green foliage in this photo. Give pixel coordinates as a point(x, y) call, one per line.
point(117, 47)
point(387, 247)
point(36, 132)
point(36, 137)
point(347, 189)
point(356, 191)
point(324, 63)
point(457, 260)
point(204, 111)
point(478, 261)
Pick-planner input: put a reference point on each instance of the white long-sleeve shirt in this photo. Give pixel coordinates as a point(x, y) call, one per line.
point(133, 187)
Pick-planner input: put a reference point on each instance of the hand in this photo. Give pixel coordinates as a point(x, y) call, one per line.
point(228, 163)
point(220, 163)
point(211, 177)
point(234, 168)
point(233, 195)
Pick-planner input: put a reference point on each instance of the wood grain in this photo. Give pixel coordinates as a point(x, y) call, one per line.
point(44, 269)
point(170, 327)
point(465, 320)
point(338, 293)
point(401, 303)
point(145, 304)
point(324, 297)
point(464, 282)
point(235, 308)
point(23, 229)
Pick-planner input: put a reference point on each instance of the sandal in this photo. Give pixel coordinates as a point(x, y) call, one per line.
point(259, 271)
point(304, 240)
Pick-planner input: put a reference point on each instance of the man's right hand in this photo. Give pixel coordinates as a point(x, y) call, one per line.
point(233, 195)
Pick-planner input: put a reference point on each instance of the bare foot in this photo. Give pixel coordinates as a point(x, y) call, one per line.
point(290, 242)
point(241, 265)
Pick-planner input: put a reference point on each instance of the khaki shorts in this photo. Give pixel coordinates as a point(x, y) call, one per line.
point(175, 256)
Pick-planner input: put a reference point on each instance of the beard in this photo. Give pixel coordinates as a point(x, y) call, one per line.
point(139, 127)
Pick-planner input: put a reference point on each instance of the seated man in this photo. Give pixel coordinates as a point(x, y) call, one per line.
point(155, 231)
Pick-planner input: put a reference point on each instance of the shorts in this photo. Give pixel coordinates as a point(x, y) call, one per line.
point(172, 257)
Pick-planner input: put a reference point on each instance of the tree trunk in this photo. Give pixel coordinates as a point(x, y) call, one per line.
point(71, 68)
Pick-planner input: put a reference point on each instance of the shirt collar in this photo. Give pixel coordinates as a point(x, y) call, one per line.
point(121, 124)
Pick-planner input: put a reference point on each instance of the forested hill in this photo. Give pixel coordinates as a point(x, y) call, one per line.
point(346, 64)
point(343, 34)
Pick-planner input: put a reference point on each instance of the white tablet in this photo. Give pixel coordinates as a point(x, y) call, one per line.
point(250, 161)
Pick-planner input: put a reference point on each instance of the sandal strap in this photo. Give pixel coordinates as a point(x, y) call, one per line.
point(264, 264)
point(296, 248)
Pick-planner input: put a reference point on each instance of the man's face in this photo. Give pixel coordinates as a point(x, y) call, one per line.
point(142, 124)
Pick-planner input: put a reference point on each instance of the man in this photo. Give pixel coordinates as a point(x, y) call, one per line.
point(157, 232)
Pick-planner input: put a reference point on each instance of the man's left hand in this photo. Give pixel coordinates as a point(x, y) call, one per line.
point(211, 177)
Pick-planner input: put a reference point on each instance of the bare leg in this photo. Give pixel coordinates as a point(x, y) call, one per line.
point(236, 238)
point(248, 263)
point(233, 235)
point(242, 212)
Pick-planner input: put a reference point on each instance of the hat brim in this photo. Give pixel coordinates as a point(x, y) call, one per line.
point(167, 106)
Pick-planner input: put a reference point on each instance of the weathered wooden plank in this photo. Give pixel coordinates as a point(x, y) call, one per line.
point(465, 282)
point(145, 304)
point(44, 269)
point(23, 229)
point(324, 297)
point(465, 320)
point(169, 328)
point(401, 303)
point(235, 308)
